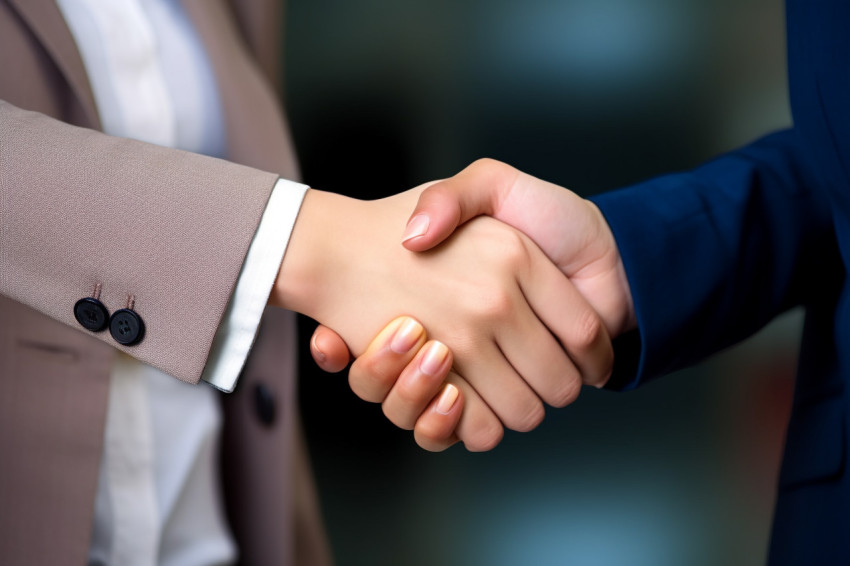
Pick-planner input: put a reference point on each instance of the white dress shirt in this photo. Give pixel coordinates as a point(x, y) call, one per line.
point(159, 499)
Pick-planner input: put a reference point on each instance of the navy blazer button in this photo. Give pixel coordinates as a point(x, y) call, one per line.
point(91, 314)
point(264, 402)
point(127, 327)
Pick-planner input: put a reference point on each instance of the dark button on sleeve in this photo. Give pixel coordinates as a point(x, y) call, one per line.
point(91, 314)
point(127, 327)
point(265, 404)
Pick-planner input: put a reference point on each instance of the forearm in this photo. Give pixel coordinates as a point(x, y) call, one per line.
point(714, 254)
point(310, 257)
point(168, 228)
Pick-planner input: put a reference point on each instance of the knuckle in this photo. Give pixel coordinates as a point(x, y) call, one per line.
point(439, 192)
point(486, 438)
point(588, 329)
point(370, 380)
point(430, 445)
point(567, 392)
point(491, 305)
point(430, 433)
point(499, 305)
point(513, 249)
point(529, 419)
point(408, 395)
point(493, 168)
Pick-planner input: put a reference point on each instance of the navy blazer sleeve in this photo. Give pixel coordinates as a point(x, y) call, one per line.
point(713, 254)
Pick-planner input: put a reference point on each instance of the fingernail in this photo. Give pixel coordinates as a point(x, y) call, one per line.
point(406, 336)
point(318, 353)
point(417, 226)
point(434, 358)
point(447, 399)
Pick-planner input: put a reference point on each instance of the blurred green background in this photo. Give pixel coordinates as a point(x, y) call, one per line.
point(590, 94)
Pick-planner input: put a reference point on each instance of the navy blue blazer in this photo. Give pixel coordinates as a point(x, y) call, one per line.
point(713, 254)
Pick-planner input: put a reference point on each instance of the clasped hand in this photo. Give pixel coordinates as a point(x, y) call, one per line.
point(510, 329)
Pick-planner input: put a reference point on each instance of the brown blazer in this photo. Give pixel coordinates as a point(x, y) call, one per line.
point(77, 209)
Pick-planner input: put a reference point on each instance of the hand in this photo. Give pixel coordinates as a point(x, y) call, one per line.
point(395, 379)
point(570, 230)
point(420, 397)
point(480, 293)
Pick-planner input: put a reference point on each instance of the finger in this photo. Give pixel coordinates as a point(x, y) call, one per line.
point(417, 385)
point(373, 374)
point(445, 205)
point(570, 318)
point(539, 358)
point(479, 428)
point(329, 350)
point(507, 393)
point(435, 428)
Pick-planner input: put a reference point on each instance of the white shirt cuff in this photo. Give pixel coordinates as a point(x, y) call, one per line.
point(238, 328)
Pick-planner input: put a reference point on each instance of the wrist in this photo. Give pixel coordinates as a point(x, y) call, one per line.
point(341, 255)
point(309, 253)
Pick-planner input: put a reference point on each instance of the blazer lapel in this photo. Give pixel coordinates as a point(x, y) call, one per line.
point(256, 131)
point(47, 23)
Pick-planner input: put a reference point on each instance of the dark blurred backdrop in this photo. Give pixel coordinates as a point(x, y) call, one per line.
point(591, 94)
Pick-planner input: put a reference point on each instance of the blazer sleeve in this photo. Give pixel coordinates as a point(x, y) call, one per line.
point(163, 228)
point(713, 254)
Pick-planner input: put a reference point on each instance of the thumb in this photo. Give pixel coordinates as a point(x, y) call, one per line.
point(329, 350)
point(447, 204)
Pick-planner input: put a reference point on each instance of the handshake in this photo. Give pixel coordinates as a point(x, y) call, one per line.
point(519, 308)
